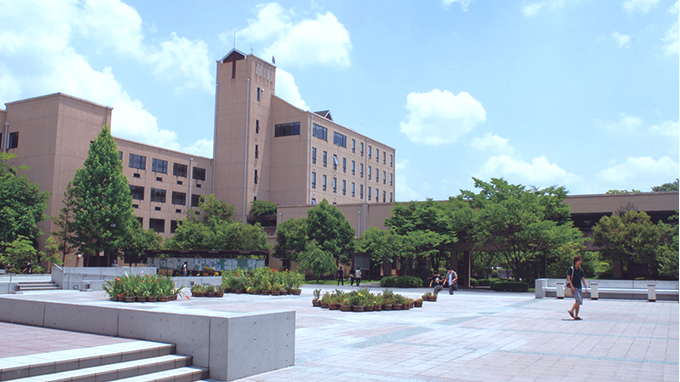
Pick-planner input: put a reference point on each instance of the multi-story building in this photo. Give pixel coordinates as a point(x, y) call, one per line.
point(264, 148)
point(290, 156)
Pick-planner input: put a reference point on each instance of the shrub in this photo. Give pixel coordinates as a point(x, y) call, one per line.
point(483, 282)
point(401, 282)
point(473, 282)
point(509, 285)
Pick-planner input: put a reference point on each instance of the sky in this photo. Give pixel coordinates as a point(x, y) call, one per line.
point(576, 93)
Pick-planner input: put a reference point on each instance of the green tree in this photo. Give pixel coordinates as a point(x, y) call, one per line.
point(64, 221)
point(328, 227)
point(667, 187)
point(262, 207)
point(316, 261)
point(381, 245)
point(22, 204)
point(522, 224)
point(619, 192)
point(291, 239)
point(668, 257)
point(631, 238)
point(103, 215)
point(138, 242)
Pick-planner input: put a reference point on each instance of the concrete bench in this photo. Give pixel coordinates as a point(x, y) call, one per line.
point(651, 290)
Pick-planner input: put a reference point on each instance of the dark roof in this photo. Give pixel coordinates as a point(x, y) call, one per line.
point(233, 55)
point(324, 113)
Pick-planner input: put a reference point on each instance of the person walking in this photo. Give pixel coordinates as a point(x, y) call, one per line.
point(436, 283)
point(341, 276)
point(577, 281)
point(357, 276)
point(185, 269)
point(451, 278)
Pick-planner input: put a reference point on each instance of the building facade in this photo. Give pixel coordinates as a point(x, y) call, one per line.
point(264, 149)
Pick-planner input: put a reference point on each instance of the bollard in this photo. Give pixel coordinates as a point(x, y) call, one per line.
point(560, 290)
point(594, 293)
point(651, 292)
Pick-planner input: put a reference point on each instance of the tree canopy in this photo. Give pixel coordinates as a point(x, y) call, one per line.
point(667, 187)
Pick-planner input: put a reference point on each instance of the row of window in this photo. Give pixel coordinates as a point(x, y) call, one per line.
point(158, 225)
point(336, 163)
point(161, 166)
point(159, 196)
point(12, 141)
point(334, 184)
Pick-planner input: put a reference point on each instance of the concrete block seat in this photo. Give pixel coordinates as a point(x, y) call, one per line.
point(137, 359)
point(614, 289)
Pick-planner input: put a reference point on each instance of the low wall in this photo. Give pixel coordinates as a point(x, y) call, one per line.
point(233, 346)
point(616, 289)
point(78, 277)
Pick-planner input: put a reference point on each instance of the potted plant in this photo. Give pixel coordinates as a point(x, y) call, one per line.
point(219, 290)
point(316, 301)
point(387, 297)
point(397, 302)
point(197, 290)
point(296, 281)
point(418, 303)
point(209, 290)
point(325, 300)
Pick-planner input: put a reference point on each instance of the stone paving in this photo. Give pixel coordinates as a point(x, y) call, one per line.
point(471, 336)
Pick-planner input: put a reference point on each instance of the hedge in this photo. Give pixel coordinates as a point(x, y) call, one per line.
point(401, 282)
point(509, 285)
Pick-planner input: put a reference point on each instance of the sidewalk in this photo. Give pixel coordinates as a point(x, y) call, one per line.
point(471, 336)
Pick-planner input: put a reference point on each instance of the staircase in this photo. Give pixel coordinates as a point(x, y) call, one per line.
point(29, 286)
point(136, 361)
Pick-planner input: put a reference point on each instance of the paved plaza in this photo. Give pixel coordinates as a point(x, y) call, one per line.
point(471, 336)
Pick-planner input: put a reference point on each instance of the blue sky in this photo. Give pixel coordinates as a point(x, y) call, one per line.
point(578, 93)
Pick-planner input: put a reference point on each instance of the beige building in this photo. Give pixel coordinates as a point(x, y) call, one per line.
point(264, 148)
point(290, 156)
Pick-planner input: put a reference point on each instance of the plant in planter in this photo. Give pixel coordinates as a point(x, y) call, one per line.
point(219, 290)
point(427, 296)
point(397, 301)
point(325, 300)
point(316, 301)
point(387, 297)
point(418, 303)
point(296, 280)
point(197, 290)
point(114, 289)
point(209, 290)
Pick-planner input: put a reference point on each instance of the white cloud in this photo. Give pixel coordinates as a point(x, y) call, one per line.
point(539, 172)
point(672, 36)
point(440, 117)
point(202, 147)
point(492, 142)
point(668, 128)
point(640, 168)
point(621, 39)
point(642, 6)
point(403, 192)
point(38, 52)
point(287, 90)
point(532, 9)
point(626, 123)
point(463, 3)
point(322, 40)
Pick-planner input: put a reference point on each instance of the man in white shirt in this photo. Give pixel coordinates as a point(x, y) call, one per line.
point(451, 278)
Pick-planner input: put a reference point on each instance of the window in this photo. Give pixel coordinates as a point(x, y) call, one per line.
point(320, 132)
point(344, 187)
point(137, 161)
point(173, 226)
point(313, 180)
point(157, 195)
point(384, 157)
point(370, 172)
point(256, 177)
point(179, 170)
point(390, 179)
point(195, 199)
point(257, 151)
point(179, 198)
point(361, 191)
point(335, 184)
point(361, 170)
point(354, 145)
point(369, 193)
point(391, 157)
point(339, 139)
point(120, 153)
point(314, 155)
point(361, 149)
point(377, 195)
point(258, 93)
point(325, 159)
point(313, 201)
point(344, 164)
point(377, 175)
point(353, 189)
point(157, 225)
point(137, 192)
point(158, 165)
point(335, 162)
point(370, 150)
point(384, 177)
point(13, 141)
point(199, 173)
point(323, 185)
point(257, 126)
point(353, 167)
point(285, 129)
point(377, 155)
point(390, 197)
point(384, 196)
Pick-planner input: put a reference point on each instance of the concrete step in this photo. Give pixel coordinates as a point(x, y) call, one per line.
point(35, 365)
point(175, 375)
point(122, 370)
point(36, 285)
